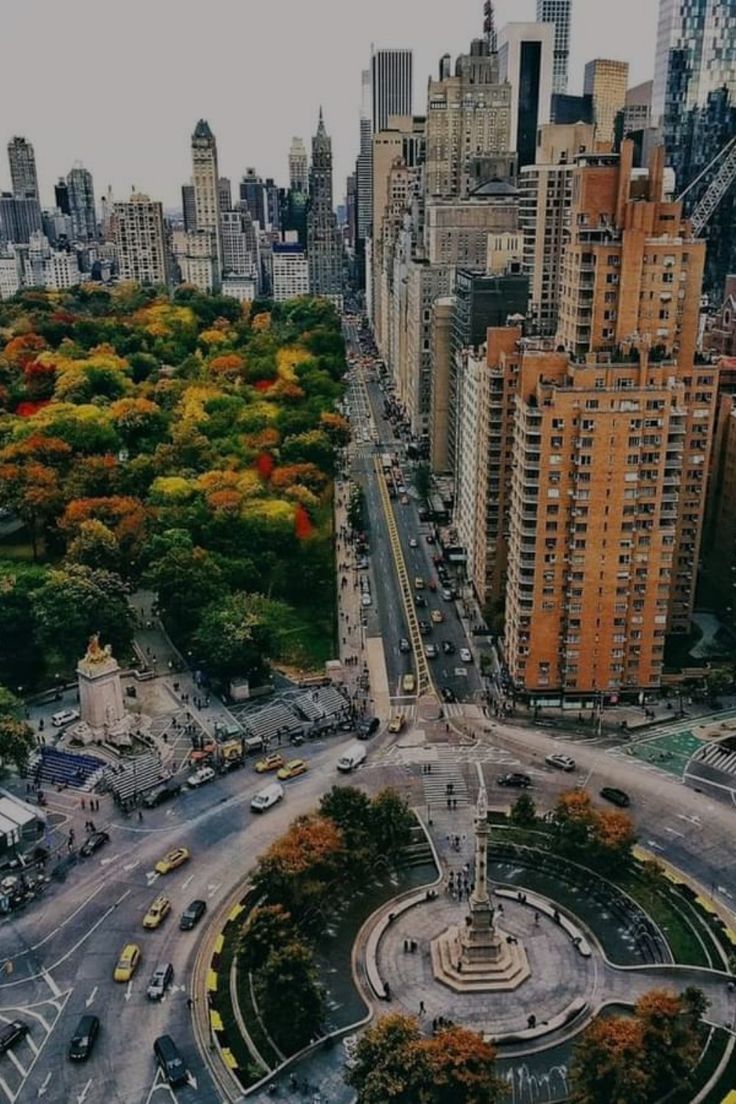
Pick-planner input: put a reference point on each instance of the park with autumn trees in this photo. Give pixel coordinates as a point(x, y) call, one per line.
point(181, 444)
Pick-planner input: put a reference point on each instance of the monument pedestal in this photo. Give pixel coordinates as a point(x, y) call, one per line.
point(101, 706)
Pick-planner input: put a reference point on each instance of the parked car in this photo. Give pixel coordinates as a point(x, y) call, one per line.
point(159, 794)
point(200, 777)
point(367, 728)
point(192, 914)
point(127, 963)
point(172, 860)
point(83, 1039)
point(466, 655)
point(12, 1033)
point(161, 979)
point(93, 843)
point(157, 913)
point(268, 796)
point(516, 779)
point(64, 717)
point(561, 762)
point(270, 762)
point(292, 769)
point(397, 722)
point(616, 796)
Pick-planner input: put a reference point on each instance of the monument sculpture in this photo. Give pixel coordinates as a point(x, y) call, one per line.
point(478, 955)
point(101, 706)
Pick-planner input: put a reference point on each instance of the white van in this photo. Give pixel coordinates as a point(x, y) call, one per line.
point(268, 796)
point(352, 758)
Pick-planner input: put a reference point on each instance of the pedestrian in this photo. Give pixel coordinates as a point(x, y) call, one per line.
point(422, 1009)
point(190, 1003)
point(82, 804)
point(536, 919)
point(140, 814)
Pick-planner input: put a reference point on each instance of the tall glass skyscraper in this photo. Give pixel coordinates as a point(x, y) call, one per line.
point(391, 85)
point(694, 105)
point(559, 13)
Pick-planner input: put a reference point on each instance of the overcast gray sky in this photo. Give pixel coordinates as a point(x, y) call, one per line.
point(119, 85)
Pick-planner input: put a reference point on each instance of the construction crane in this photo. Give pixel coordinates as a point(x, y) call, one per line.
point(724, 177)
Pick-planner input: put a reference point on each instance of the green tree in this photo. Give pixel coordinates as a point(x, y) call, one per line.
point(524, 811)
point(16, 737)
point(185, 577)
point(267, 928)
point(239, 632)
point(392, 823)
point(21, 659)
point(76, 601)
point(353, 813)
point(294, 1022)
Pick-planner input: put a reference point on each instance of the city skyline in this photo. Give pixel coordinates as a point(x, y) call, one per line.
point(126, 141)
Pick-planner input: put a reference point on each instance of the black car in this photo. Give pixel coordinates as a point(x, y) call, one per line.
point(448, 648)
point(192, 915)
point(11, 1034)
point(616, 796)
point(404, 645)
point(515, 779)
point(448, 694)
point(425, 628)
point(367, 728)
point(159, 794)
point(170, 1060)
point(83, 1038)
point(93, 843)
point(420, 601)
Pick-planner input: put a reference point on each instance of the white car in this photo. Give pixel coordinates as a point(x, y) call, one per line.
point(413, 542)
point(562, 762)
point(446, 594)
point(466, 655)
point(204, 774)
point(267, 797)
point(64, 717)
point(431, 651)
point(366, 599)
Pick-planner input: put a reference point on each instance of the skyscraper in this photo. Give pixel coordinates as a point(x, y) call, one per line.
point(324, 241)
point(558, 12)
point(139, 240)
point(20, 216)
point(391, 85)
point(225, 194)
point(23, 177)
point(205, 179)
point(253, 193)
point(82, 203)
point(526, 57)
point(61, 195)
point(240, 256)
point(298, 166)
point(606, 81)
point(467, 113)
point(363, 165)
point(694, 105)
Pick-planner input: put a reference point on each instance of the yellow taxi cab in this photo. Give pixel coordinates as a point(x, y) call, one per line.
point(172, 860)
point(409, 684)
point(291, 769)
point(419, 583)
point(127, 964)
point(159, 910)
point(438, 617)
point(397, 723)
point(270, 762)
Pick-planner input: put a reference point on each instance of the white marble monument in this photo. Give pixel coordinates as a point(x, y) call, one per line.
point(101, 705)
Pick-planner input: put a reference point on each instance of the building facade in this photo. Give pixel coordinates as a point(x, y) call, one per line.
point(140, 242)
point(558, 12)
point(391, 86)
point(240, 251)
point(206, 184)
point(23, 176)
point(81, 194)
point(526, 56)
point(468, 113)
point(19, 218)
point(324, 240)
point(606, 81)
point(290, 272)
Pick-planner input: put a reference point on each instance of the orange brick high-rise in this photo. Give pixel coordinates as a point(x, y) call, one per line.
point(612, 433)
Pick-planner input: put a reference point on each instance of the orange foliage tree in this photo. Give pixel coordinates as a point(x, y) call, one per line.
point(297, 869)
point(126, 518)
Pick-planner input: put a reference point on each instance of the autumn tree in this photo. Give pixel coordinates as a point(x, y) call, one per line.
point(298, 869)
point(524, 811)
point(239, 632)
point(34, 492)
point(596, 836)
point(461, 1069)
point(638, 1059)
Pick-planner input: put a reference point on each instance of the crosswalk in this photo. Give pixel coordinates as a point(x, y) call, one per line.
point(718, 757)
point(444, 772)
